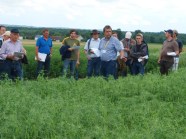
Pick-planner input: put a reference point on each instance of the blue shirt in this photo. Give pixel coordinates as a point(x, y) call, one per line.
point(109, 48)
point(44, 45)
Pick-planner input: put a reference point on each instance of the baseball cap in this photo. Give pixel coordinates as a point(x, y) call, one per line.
point(95, 31)
point(128, 35)
point(7, 33)
point(169, 31)
point(14, 30)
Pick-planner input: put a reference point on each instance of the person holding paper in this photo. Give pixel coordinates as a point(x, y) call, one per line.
point(166, 60)
point(180, 45)
point(138, 55)
point(109, 46)
point(93, 54)
point(12, 52)
point(43, 53)
point(74, 48)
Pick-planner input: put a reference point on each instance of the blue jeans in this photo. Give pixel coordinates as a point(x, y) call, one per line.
point(46, 65)
point(66, 64)
point(137, 67)
point(108, 68)
point(14, 69)
point(93, 66)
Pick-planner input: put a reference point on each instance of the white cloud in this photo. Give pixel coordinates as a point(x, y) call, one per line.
point(128, 15)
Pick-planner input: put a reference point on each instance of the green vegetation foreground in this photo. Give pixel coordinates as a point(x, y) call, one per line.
point(148, 107)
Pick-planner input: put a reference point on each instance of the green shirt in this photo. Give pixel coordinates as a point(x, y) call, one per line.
point(72, 42)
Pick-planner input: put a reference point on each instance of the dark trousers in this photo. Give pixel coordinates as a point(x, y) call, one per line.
point(129, 64)
point(138, 67)
point(46, 65)
point(108, 68)
point(93, 66)
point(165, 66)
point(13, 69)
point(2, 68)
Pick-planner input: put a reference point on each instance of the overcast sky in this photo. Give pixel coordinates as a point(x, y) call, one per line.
point(128, 15)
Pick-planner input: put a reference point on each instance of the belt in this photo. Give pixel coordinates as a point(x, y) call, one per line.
point(13, 61)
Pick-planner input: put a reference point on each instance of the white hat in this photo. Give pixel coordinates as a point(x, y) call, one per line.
point(128, 35)
point(7, 33)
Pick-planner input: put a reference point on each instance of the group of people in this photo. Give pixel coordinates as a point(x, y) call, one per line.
point(106, 56)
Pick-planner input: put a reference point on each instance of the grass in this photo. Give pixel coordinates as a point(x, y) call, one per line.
point(150, 107)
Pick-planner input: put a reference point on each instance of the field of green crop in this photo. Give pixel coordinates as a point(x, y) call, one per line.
point(136, 107)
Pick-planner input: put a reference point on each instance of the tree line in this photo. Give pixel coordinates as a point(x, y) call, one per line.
point(30, 33)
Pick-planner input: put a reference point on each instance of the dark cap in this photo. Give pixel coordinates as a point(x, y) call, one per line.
point(94, 31)
point(14, 30)
point(169, 31)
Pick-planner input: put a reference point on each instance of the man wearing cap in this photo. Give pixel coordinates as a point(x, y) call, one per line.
point(169, 50)
point(93, 54)
point(180, 45)
point(109, 46)
point(44, 46)
point(13, 61)
point(128, 44)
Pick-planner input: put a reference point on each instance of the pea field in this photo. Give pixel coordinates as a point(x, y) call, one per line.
point(135, 107)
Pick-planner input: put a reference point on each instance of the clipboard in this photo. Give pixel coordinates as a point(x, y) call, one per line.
point(18, 54)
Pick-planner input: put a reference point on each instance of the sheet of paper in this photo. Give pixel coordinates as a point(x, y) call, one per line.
point(42, 57)
point(171, 53)
point(96, 51)
point(18, 54)
point(76, 47)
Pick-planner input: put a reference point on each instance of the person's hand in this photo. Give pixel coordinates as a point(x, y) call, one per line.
point(11, 57)
point(88, 57)
point(77, 62)
point(127, 49)
point(70, 49)
point(123, 58)
point(50, 55)
point(38, 59)
point(158, 61)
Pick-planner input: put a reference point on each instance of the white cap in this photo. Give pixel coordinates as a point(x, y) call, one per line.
point(128, 35)
point(7, 33)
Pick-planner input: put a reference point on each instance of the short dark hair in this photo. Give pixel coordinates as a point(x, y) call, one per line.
point(1, 26)
point(73, 30)
point(107, 27)
point(44, 30)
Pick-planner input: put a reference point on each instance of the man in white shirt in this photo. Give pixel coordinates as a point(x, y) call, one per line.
point(93, 54)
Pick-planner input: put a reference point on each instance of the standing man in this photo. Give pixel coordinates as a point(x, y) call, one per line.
point(166, 59)
point(180, 45)
point(109, 46)
point(139, 51)
point(44, 46)
point(74, 45)
point(128, 44)
point(13, 64)
point(93, 54)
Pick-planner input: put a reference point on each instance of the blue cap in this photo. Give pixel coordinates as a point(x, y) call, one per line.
point(169, 31)
point(14, 30)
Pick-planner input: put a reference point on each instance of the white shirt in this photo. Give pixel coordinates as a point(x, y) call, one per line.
point(94, 45)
